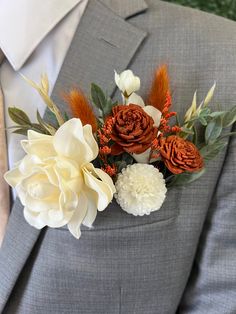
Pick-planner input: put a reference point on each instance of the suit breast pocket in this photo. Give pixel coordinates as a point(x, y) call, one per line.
point(113, 217)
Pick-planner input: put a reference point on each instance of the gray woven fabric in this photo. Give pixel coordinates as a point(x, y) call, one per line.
point(180, 258)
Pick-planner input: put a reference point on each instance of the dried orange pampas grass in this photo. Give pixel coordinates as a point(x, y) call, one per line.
point(160, 88)
point(81, 108)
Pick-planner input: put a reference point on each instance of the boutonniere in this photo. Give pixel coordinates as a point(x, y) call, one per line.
point(133, 150)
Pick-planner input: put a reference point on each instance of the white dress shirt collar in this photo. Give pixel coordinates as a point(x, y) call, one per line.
point(25, 23)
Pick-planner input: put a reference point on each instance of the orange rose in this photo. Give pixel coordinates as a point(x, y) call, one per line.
point(132, 130)
point(180, 155)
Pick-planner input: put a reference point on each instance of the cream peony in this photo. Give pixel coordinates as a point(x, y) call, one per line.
point(56, 181)
point(127, 82)
point(140, 189)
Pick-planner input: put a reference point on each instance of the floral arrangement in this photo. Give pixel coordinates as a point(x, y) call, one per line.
point(133, 151)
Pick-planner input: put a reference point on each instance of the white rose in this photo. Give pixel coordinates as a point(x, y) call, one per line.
point(56, 181)
point(140, 189)
point(127, 82)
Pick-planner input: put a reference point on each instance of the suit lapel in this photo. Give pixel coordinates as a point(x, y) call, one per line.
point(17, 245)
point(104, 41)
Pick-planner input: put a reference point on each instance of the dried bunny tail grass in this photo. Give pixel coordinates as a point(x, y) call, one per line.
point(160, 88)
point(81, 108)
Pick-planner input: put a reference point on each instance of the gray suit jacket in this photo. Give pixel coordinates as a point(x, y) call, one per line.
point(181, 258)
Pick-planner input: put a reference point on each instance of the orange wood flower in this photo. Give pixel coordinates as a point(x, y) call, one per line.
point(81, 108)
point(133, 129)
point(180, 155)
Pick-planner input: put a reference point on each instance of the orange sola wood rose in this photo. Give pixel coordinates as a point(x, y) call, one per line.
point(133, 129)
point(180, 155)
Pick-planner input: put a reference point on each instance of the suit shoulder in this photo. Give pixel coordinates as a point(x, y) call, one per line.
point(198, 47)
point(182, 18)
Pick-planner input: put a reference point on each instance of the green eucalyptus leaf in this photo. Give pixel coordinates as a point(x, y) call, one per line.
point(216, 114)
point(213, 130)
point(66, 117)
point(100, 122)
point(169, 180)
point(203, 121)
point(51, 117)
point(187, 131)
point(204, 112)
point(127, 158)
point(108, 107)
point(186, 178)
point(229, 118)
point(121, 165)
point(195, 136)
point(18, 116)
point(228, 134)
point(210, 151)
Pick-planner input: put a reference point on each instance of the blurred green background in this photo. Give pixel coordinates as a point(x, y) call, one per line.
point(226, 8)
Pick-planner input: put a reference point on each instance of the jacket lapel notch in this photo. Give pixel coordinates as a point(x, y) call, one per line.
point(126, 9)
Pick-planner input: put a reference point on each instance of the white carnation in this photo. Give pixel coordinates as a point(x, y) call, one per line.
point(140, 189)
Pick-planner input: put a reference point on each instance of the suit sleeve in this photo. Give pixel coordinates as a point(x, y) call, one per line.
point(211, 287)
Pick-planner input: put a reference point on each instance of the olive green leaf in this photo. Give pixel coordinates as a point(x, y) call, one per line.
point(98, 97)
point(18, 116)
point(21, 131)
point(24, 124)
point(46, 126)
point(100, 100)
